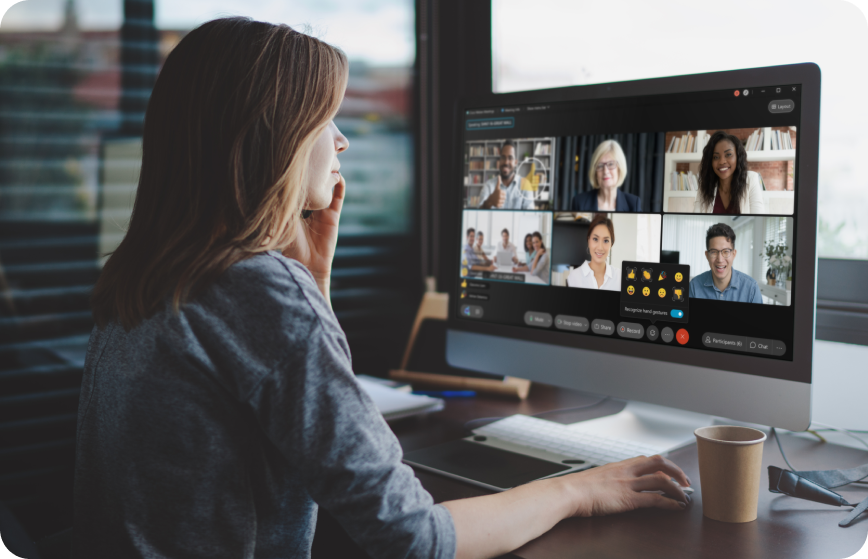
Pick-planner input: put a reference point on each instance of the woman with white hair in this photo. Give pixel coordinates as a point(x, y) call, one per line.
point(606, 173)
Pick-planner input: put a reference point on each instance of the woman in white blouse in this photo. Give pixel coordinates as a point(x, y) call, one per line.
point(596, 273)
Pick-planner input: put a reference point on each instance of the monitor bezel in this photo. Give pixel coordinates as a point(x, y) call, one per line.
point(808, 76)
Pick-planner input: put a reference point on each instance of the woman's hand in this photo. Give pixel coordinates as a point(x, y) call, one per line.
point(316, 238)
point(496, 524)
point(619, 487)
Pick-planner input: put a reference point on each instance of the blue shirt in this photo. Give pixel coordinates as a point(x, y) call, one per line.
point(742, 288)
point(471, 257)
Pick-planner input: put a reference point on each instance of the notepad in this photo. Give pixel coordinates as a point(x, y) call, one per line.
point(394, 404)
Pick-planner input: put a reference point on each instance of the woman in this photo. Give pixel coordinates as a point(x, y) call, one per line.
point(539, 266)
point(528, 255)
point(596, 273)
point(606, 174)
point(725, 184)
point(219, 406)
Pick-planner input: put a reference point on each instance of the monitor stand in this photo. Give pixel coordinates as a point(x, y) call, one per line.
point(648, 424)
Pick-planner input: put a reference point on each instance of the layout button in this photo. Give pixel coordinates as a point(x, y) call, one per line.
point(781, 106)
point(630, 330)
point(604, 327)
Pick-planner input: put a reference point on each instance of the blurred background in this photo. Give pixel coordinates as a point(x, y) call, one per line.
point(75, 78)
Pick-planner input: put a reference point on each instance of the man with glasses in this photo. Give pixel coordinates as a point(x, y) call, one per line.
point(504, 190)
point(723, 282)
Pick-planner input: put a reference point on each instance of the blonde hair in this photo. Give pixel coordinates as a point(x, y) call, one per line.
point(613, 147)
point(229, 129)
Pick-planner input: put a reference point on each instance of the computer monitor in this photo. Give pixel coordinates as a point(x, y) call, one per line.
point(597, 187)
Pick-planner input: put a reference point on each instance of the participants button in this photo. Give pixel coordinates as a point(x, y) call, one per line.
point(573, 323)
point(603, 327)
point(541, 319)
point(724, 341)
point(631, 330)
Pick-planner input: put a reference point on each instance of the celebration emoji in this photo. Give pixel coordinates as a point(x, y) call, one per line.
point(630, 290)
point(678, 276)
point(661, 292)
point(646, 292)
point(662, 276)
point(646, 274)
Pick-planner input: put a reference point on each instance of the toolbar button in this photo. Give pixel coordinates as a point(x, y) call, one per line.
point(603, 327)
point(471, 311)
point(573, 323)
point(667, 335)
point(541, 319)
point(630, 330)
point(781, 106)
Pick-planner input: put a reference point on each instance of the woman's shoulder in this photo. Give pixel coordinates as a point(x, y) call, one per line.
point(584, 201)
point(269, 284)
point(633, 202)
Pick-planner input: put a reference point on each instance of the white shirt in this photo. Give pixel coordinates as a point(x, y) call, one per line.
point(752, 203)
point(510, 248)
point(583, 276)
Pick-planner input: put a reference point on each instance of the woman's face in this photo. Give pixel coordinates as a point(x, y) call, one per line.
point(600, 243)
point(479, 239)
point(723, 160)
point(528, 243)
point(537, 243)
point(323, 165)
point(607, 171)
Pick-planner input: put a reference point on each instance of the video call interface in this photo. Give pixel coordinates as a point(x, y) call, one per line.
point(664, 219)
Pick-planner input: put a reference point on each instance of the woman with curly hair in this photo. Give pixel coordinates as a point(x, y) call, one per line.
point(725, 184)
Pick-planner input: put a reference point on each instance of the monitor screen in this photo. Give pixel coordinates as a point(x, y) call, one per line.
point(666, 225)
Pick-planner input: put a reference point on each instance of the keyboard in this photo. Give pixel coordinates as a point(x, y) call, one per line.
point(565, 440)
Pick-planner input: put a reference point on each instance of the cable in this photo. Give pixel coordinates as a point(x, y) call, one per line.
point(844, 431)
point(790, 466)
point(784, 454)
point(481, 421)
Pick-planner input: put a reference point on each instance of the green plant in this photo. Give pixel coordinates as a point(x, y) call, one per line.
point(779, 262)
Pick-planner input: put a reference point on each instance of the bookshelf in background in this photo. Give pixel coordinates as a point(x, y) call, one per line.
point(679, 185)
point(480, 165)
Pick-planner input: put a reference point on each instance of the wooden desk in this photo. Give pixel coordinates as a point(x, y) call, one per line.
point(786, 527)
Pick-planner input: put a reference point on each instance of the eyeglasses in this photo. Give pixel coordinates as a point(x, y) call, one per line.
point(727, 252)
point(610, 165)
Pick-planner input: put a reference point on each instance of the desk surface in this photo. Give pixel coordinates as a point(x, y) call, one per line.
point(786, 527)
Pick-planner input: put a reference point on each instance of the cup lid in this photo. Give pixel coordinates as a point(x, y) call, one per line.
point(730, 434)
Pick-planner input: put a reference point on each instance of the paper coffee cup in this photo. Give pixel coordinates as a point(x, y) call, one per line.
point(730, 467)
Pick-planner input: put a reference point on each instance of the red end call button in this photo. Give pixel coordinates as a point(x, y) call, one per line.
point(682, 336)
